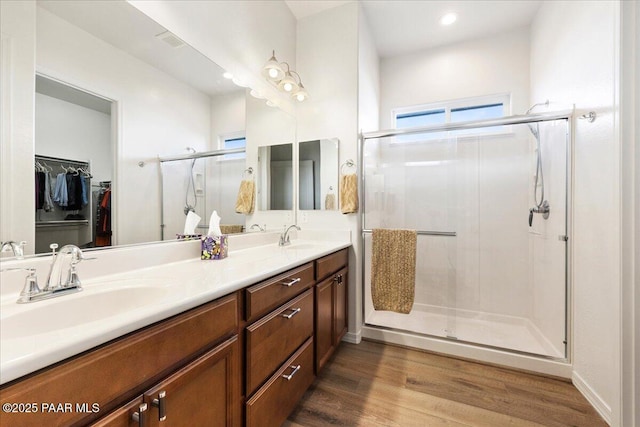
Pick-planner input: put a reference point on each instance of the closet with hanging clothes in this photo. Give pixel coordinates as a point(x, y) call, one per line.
point(63, 202)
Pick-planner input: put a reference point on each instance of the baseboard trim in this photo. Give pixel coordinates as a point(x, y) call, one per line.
point(592, 397)
point(353, 337)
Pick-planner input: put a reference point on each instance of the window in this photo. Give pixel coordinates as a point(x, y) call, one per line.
point(462, 110)
point(235, 140)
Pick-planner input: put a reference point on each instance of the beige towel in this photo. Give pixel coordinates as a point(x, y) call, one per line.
point(393, 270)
point(349, 193)
point(246, 197)
point(231, 228)
point(330, 202)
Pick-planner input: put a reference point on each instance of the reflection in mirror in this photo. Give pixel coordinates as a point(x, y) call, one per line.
point(201, 185)
point(73, 166)
point(275, 171)
point(166, 96)
point(318, 174)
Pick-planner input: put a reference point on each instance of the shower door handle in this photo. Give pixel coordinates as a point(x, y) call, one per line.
point(530, 217)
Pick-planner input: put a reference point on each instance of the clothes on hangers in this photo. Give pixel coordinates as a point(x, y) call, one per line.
point(60, 193)
point(103, 217)
point(70, 191)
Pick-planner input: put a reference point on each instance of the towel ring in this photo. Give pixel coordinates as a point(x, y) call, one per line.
point(349, 163)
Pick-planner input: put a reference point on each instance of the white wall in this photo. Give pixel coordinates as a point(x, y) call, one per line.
point(573, 61)
point(630, 180)
point(70, 131)
point(157, 115)
point(492, 65)
point(327, 60)
point(368, 78)
point(17, 63)
point(237, 35)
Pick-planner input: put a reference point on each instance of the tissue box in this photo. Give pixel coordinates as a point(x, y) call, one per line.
point(188, 236)
point(214, 247)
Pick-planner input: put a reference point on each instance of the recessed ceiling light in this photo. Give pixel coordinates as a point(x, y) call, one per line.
point(227, 75)
point(448, 18)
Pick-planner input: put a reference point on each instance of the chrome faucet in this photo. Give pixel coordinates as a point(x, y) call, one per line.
point(285, 239)
point(55, 286)
point(54, 280)
point(258, 226)
point(16, 248)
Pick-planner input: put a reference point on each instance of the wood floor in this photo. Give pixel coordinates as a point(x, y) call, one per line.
point(372, 384)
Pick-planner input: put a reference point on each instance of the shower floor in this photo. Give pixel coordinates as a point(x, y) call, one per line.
point(508, 332)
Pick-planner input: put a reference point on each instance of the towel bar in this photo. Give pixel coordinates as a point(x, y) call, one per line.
point(427, 233)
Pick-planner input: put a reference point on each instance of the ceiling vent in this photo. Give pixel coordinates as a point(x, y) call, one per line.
point(169, 38)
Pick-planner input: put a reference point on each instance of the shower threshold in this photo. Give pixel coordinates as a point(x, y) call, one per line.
point(493, 330)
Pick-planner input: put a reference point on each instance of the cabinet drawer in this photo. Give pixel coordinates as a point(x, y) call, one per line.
point(331, 263)
point(122, 367)
point(271, 293)
point(271, 340)
point(272, 403)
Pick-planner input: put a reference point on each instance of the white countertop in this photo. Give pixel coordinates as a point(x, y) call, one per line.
point(36, 335)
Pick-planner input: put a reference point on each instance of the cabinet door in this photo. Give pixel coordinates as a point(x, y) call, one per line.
point(324, 322)
point(340, 306)
point(204, 393)
point(123, 416)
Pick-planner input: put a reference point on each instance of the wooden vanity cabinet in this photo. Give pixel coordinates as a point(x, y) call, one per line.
point(279, 345)
point(330, 305)
point(203, 393)
point(114, 374)
point(251, 354)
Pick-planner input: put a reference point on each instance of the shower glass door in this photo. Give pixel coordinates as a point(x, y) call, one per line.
point(490, 278)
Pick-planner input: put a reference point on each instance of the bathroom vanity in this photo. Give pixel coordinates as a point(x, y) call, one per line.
point(242, 358)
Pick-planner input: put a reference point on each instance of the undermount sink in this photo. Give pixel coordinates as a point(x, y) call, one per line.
point(301, 246)
point(68, 311)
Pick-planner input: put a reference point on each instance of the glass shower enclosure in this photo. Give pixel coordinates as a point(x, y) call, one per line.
point(489, 201)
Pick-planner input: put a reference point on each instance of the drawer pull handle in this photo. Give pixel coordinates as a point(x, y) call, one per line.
point(293, 282)
point(294, 311)
point(295, 369)
point(139, 416)
point(160, 403)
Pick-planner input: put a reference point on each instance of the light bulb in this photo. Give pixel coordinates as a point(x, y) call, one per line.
point(287, 87)
point(300, 97)
point(448, 18)
point(273, 73)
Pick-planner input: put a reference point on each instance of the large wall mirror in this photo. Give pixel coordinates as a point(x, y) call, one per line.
point(318, 174)
point(275, 172)
point(161, 98)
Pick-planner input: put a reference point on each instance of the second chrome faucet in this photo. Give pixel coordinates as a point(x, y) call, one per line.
point(285, 239)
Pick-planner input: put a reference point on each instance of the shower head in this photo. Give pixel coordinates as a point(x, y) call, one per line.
point(546, 104)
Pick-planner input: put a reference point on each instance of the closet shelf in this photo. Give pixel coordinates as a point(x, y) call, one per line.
point(62, 223)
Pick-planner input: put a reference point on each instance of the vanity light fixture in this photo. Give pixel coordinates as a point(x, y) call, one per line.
point(287, 81)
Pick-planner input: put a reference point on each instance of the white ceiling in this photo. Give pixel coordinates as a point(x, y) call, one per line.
point(404, 26)
point(125, 27)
